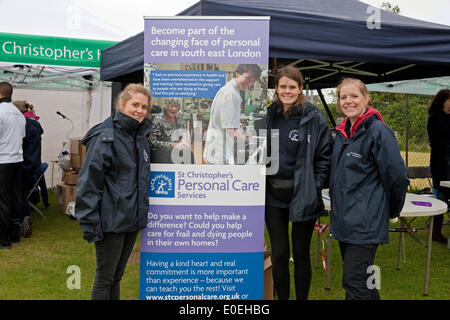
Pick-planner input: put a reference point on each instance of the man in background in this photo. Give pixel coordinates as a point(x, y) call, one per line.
point(12, 132)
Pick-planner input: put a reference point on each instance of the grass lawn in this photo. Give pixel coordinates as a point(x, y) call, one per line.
point(36, 268)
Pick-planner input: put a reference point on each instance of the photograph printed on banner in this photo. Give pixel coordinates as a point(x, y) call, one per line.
point(204, 113)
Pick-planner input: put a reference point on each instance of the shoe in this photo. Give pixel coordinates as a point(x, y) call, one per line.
point(439, 237)
point(15, 239)
point(5, 246)
point(30, 228)
point(24, 226)
point(27, 226)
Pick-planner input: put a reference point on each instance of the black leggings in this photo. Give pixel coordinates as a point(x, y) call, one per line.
point(277, 222)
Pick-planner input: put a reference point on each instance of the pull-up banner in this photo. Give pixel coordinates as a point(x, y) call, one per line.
point(204, 238)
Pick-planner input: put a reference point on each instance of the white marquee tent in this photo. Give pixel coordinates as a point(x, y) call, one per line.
point(72, 87)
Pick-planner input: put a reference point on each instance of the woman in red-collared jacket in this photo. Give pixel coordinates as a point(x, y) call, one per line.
point(368, 184)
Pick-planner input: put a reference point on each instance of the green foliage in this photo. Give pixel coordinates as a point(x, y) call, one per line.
point(390, 8)
point(404, 284)
point(392, 107)
point(36, 268)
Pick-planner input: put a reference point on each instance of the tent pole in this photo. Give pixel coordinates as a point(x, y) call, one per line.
point(407, 128)
point(115, 91)
point(309, 95)
point(87, 115)
point(101, 101)
point(325, 105)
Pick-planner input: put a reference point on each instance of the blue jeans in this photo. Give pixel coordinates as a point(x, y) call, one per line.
point(112, 255)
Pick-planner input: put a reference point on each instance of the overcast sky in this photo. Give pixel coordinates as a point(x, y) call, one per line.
point(437, 11)
point(129, 14)
point(118, 19)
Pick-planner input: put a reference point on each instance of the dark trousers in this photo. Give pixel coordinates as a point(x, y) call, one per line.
point(10, 202)
point(28, 180)
point(112, 255)
point(443, 194)
point(356, 259)
point(277, 222)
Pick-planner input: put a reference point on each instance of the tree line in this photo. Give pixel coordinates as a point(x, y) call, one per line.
point(392, 107)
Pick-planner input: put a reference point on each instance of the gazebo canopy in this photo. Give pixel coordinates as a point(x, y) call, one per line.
point(325, 39)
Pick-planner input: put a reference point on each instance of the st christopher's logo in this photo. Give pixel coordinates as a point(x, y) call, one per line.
point(162, 184)
point(293, 136)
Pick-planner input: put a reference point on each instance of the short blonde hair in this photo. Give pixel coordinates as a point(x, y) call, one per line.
point(23, 106)
point(362, 89)
point(129, 90)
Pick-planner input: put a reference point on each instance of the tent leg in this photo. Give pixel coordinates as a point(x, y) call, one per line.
point(325, 105)
point(407, 129)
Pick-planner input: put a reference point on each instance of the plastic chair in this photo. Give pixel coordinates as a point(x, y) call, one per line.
point(44, 166)
point(421, 173)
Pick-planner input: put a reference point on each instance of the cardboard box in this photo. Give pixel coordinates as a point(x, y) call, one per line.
point(65, 193)
point(83, 152)
point(75, 161)
point(70, 177)
point(268, 279)
point(77, 153)
point(75, 145)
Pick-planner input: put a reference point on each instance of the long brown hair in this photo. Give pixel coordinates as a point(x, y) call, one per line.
point(438, 101)
point(294, 74)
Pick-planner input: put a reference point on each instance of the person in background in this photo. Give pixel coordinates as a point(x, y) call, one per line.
point(112, 188)
point(368, 184)
point(224, 121)
point(12, 132)
point(294, 192)
point(42, 183)
point(438, 128)
point(31, 165)
point(168, 133)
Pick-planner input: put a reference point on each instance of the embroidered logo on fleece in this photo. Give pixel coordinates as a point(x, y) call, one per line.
point(293, 135)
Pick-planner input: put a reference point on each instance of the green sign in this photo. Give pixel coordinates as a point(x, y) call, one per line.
point(43, 50)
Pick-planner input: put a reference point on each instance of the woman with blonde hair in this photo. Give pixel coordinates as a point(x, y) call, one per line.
point(368, 186)
point(112, 188)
